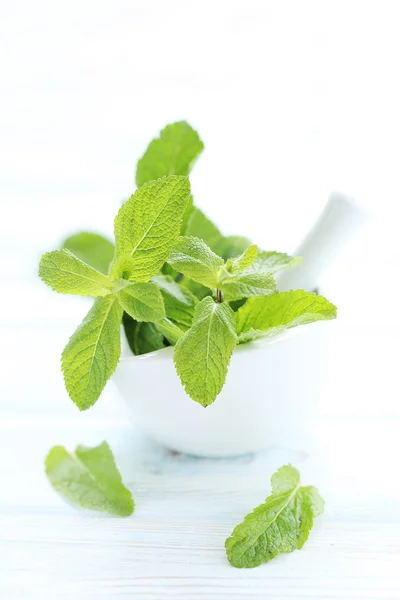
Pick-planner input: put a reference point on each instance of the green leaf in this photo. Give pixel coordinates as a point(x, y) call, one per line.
point(142, 301)
point(171, 331)
point(174, 152)
point(252, 274)
point(94, 249)
point(67, 274)
point(89, 477)
point(270, 315)
point(242, 262)
point(250, 282)
point(231, 246)
point(275, 261)
point(281, 524)
point(148, 224)
point(142, 337)
point(186, 214)
point(122, 267)
point(203, 354)
point(179, 301)
point(200, 291)
point(198, 225)
point(92, 353)
point(194, 259)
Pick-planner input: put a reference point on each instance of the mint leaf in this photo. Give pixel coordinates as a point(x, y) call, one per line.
point(94, 249)
point(186, 214)
point(250, 282)
point(92, 353)
point(89, 477)
point(275, 261)
point(231, 246)
point(171, 331)
point(142, 301)
point(148, 224)
point(193, 258)
point(270, 315)
point(174, 152)
point(67, 274)
point(281, 524)
point(142, 337)
point(252, 273)
point(200, 291)
point(203, 354)
point(122, 267)
point(179, 301)
point(242, 262)
point(198, 225)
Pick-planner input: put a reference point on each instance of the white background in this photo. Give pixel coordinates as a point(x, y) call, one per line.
point(292, 99)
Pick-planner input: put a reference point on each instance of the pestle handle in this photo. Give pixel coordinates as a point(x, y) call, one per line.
point(337, 223)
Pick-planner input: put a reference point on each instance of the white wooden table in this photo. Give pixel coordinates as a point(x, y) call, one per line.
point(173, 544)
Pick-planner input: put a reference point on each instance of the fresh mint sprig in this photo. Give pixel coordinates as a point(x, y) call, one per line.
point(202, 355)
point(146, 228)
point(202, 291)
point(89, 478)
point(281, 524)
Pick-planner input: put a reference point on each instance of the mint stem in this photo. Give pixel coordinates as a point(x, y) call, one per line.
point(219, 295)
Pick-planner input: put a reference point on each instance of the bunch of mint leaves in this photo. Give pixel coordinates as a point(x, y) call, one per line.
point(171, 278)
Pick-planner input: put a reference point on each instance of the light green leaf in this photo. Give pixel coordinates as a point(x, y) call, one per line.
point(92, 248)
point(200, 291)
point(174, 152)
point(186, 214)
point(231, 246)
point(179, 301)
point(257, 279)
point(171, 331)
point(194, 259)
point(198, 225)
point(247, 283)
point(275, 261)
point(142, 301)
point(281, 524)
point(203, 354)
point(92, 353)
point(242, 262)
point(89, 477)
point(148, 224)
point(122, 267)
point(142, 337)
point(270, 315)
point(67, 274)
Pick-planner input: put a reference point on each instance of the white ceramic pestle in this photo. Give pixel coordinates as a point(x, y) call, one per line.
point(337, 223)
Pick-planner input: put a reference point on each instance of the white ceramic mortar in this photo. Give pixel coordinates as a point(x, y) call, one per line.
point(272, 384)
